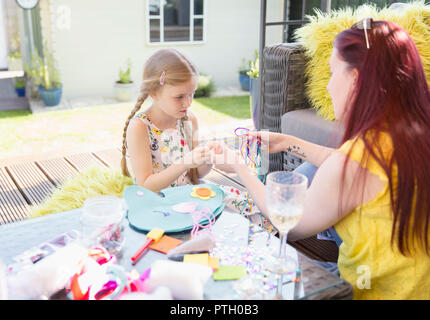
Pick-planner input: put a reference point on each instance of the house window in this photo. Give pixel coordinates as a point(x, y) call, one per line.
point(179, 21)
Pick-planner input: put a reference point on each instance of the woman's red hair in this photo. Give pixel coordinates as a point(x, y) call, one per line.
point(392, 95)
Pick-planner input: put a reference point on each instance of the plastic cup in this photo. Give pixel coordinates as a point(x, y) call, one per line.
point(101, 223)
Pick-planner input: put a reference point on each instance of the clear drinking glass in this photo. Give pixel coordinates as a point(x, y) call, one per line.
point(285, 197)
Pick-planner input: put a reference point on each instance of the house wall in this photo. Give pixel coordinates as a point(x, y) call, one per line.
point(92, 40)
point(3, 40)
point(10, 33)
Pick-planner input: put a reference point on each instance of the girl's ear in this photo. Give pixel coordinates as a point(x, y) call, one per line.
point(153, 94)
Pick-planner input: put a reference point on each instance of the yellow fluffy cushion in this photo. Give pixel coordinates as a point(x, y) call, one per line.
point(318, 35)
point(93, 182)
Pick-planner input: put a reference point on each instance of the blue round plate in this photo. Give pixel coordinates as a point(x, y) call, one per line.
point(148, 210)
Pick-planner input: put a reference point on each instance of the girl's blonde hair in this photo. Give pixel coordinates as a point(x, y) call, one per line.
point(166, 66)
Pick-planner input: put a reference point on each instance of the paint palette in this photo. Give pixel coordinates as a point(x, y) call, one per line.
point(148, 210)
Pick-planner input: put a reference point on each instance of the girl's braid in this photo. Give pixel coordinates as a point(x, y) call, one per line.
point(140, 101)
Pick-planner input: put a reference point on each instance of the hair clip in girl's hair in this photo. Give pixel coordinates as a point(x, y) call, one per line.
point(163, 75)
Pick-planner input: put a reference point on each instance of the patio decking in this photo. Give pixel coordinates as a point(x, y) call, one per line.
point(29, 183)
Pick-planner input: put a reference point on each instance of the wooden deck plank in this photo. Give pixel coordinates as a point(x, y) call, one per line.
point(13, 206)
point(57, 170)
point(111, 157)
point(31, 181)
point(83, 161)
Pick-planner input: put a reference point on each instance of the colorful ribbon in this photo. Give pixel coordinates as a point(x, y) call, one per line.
point(199, 216)
point(247, 146)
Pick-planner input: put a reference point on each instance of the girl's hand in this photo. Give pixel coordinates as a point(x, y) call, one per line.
point(276, 142)
point(215, 147)
point(197, 157)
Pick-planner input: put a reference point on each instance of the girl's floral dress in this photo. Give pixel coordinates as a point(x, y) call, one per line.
point(166, 147)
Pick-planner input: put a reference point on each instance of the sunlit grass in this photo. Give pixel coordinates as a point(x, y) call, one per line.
point(24, 133)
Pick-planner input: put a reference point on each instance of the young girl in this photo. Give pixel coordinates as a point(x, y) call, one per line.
point(162, 142)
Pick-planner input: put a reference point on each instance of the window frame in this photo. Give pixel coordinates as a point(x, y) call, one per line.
point(160, 17)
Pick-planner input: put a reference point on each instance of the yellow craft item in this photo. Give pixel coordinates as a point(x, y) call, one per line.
point(199, 258)
point(214, 262)
point(155, 234)
point(203, 193)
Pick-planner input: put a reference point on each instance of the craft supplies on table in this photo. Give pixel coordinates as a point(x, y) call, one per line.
point(39, 252)
point(243, 245)
point(165, 244)
point(317, 282)
point(148, 210)
point(101, 222)
point(152, 237)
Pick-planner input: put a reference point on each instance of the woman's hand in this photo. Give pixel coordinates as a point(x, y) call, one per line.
point(271, 142)
point(225, 158)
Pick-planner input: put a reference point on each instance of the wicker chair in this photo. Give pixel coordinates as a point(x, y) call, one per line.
point(283, 89)
point(284, 108)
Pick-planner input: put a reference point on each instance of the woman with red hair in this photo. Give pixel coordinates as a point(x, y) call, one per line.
point(375, 188)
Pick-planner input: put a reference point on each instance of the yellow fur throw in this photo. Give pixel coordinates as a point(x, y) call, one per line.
point(318, 35)
point(93, 182)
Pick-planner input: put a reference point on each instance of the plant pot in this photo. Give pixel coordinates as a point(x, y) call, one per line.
point(244, 80)
point(124, 91)
point(51, 97)
point(254, 92)
point(20, 92)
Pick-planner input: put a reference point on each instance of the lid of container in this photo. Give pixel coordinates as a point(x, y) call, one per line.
point(102, 210)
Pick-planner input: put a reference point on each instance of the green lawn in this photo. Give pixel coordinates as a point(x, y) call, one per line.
point(24, 133)
point(218, 110)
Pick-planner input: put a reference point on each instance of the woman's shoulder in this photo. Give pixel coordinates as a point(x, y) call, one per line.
point(369, 150)
point(379, 141)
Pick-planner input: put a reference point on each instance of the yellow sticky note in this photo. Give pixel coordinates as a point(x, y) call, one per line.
point(199, 258)
point(229, 273)
point(214, 262)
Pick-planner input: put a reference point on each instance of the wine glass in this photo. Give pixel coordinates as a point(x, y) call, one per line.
point(285, 197)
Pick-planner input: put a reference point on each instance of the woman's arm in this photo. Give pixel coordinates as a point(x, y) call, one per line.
point(141, 160)
point(322, 202)
point(307, 151)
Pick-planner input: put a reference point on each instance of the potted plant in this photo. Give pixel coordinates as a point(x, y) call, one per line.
point(243, 74)
point(254, 88)
point(46, 77)
point(205, 86)
point(124, 87)
point(20, 86)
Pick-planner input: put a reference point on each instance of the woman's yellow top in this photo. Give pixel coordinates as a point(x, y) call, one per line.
point(367, 260)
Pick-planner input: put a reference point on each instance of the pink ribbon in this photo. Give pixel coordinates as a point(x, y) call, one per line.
point(198, 227)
